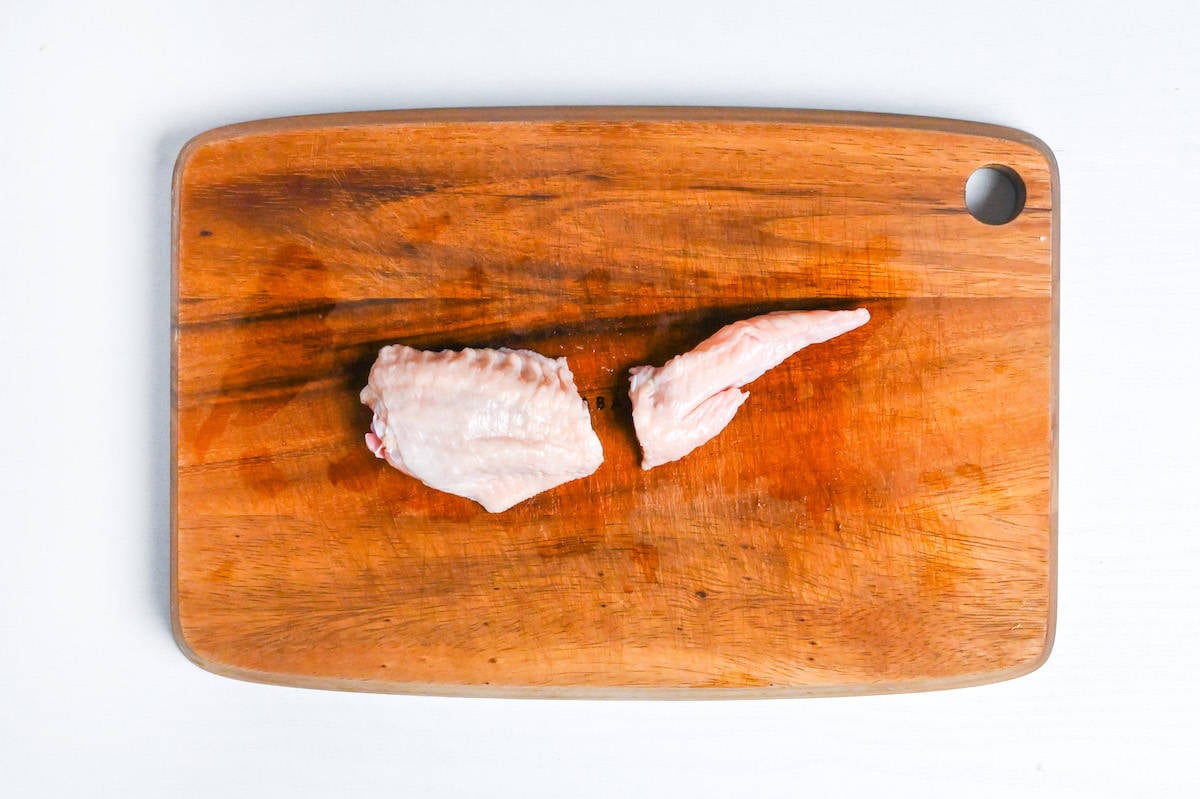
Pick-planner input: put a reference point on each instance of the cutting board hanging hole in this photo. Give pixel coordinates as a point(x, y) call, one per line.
point(995, 194)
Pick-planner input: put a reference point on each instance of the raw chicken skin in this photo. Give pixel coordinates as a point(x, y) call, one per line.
point(496, 426)
point(684, 403)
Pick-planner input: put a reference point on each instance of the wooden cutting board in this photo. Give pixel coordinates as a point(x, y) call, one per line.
point(880, 516)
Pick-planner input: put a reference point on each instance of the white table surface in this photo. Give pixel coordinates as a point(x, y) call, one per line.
point(95, 102)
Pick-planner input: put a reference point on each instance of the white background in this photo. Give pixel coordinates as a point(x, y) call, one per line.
point(95, 102)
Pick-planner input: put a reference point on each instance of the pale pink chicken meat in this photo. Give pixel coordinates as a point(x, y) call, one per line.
point(690, 399)
point(494, 425)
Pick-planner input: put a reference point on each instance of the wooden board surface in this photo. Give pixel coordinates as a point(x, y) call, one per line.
point(880, 515)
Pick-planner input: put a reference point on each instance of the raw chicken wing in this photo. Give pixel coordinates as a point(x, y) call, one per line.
point(681, 405)
point(496, 426)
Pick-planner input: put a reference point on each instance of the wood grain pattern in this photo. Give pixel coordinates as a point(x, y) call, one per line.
point(880, 516)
